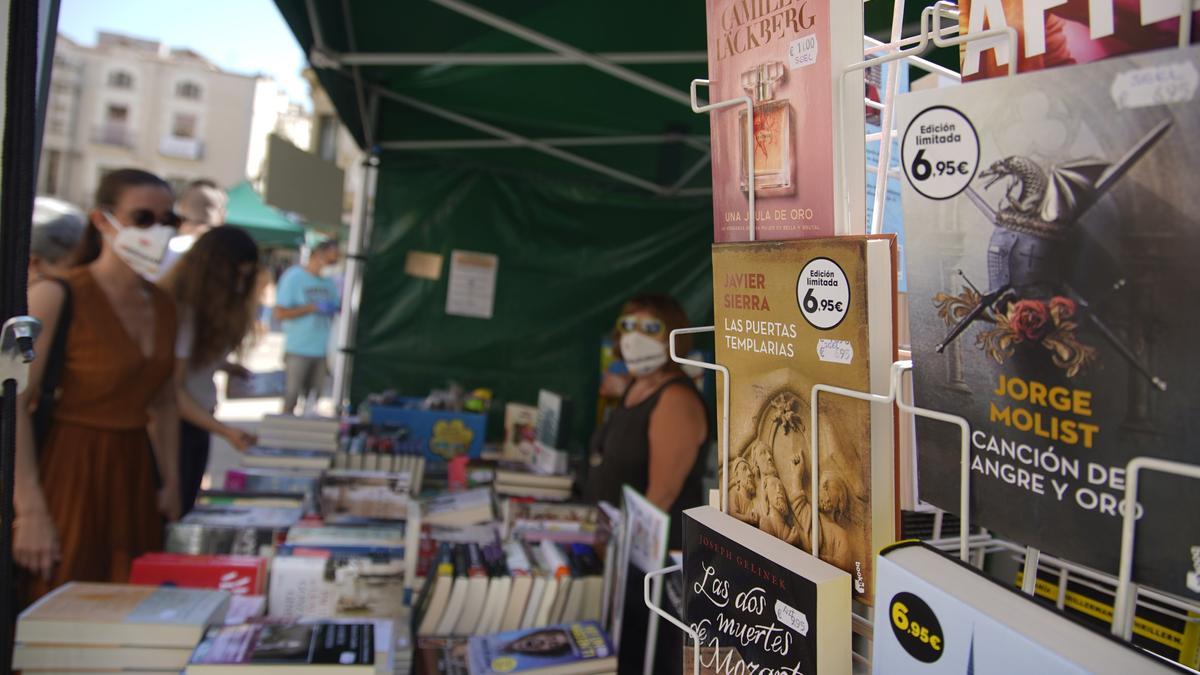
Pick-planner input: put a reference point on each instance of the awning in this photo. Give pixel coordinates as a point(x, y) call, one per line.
point(269, 227)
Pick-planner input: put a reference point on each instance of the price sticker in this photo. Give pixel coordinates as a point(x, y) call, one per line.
point(940, 152)
point(916, 627)
point(823, 293)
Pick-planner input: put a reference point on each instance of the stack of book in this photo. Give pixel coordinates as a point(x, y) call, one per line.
point(567, 523)
point(90, 626)
point(303, 481)
point(231, 530)
point(516, 480)
point(299, 433)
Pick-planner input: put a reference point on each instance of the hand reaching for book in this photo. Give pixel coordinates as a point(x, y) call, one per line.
point(240, 439)
point(35, 543)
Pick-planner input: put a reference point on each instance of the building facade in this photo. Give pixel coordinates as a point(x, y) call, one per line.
point(133, 102)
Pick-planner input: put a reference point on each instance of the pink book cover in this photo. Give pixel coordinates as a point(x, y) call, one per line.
point(781, 54)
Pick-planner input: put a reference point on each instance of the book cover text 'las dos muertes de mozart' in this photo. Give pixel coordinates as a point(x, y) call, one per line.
point(1055, 303)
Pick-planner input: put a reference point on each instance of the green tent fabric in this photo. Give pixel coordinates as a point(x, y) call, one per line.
point(573, 241)
point(267, 225)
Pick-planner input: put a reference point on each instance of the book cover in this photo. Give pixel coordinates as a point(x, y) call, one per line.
point(580, 647)
point(366, 494)
point(240, 575)
point(313, 584)
point(553, 419)
point(520, 432)
point(136, 616)
point(937, 615)
point(1065, 32)
point(791, 315)
point(788, 57)
point(441, 656)
point(469, 507)
point(1052, 304)
point(739, 581)
point(285, 646)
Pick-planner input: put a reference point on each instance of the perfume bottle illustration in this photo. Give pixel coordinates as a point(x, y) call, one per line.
point(772, 131)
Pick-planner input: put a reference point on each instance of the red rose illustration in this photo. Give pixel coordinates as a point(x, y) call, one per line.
point(1030, 319)
point(1063, 308)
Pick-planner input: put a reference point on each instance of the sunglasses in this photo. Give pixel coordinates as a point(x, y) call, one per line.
point(647, 325)
point(143, 218)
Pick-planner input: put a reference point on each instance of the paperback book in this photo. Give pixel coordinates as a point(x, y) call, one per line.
point(739, 581)
point(576, 648)
point(938, 615)
point(1065, 32)
point(789, 58)
point(240, 575)
point(1052, 297)
point(789, 316)
point(269, 648)
point(116, 614)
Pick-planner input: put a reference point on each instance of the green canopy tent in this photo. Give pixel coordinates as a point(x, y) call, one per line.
point(269, 227)
point(555, 134)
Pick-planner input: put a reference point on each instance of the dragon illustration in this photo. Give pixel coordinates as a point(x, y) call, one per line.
point(1028, 259)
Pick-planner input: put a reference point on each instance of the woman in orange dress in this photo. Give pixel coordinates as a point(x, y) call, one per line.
point(92, 495)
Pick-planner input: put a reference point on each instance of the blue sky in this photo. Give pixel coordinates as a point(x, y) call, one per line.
point(243, 36)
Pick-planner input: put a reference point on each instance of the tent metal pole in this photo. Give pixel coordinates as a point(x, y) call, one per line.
point(547, 42)
point(359, 91)
point(691, 173)
point(355, 58)
point(522, 141)
point(360, 226)
point(697, 142)
point(317, 32)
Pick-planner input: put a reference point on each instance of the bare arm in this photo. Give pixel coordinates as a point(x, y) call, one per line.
point(677, 429)
point(164, 437)
point(35, 545)
point(195, 414)
point(287, 313)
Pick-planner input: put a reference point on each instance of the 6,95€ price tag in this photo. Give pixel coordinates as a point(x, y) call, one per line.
point(940, 152)
point(823, 293)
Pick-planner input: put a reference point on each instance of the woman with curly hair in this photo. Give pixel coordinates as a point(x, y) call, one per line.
point(215, 287)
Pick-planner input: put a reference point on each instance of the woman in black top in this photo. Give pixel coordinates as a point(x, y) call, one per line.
point(653, 440)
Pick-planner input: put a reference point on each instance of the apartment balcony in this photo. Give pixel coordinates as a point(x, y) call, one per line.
point(182, 148)
point(119, 135)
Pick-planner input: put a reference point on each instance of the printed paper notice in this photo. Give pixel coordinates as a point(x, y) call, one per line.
point(472, 286)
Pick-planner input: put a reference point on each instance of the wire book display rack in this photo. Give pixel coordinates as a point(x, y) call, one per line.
point(939, 27)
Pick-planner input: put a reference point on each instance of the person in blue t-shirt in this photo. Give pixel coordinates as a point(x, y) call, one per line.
point(305, 302)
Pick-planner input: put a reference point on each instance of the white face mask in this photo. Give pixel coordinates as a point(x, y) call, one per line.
point(642, 354)
point(141, 248)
